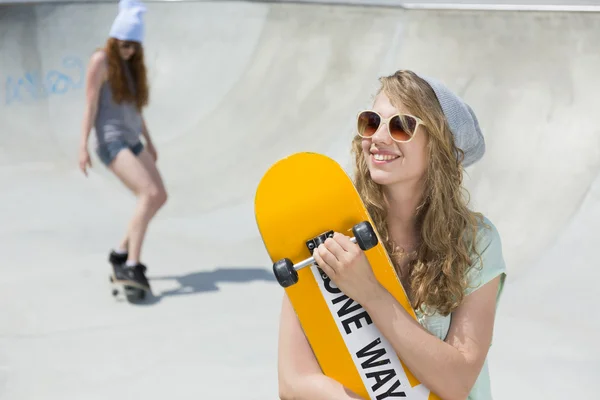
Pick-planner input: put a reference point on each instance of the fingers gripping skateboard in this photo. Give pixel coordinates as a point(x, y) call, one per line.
point(286, 271)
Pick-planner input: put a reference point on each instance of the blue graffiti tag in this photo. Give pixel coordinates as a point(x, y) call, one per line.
point(36, 85)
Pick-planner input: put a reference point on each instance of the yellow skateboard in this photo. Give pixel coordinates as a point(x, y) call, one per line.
point(300, 201)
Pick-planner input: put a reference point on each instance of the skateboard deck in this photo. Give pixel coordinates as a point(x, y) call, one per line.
point(133, 291)
point(300, 200)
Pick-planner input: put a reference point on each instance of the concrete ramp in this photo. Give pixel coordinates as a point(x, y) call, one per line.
point(234, 87)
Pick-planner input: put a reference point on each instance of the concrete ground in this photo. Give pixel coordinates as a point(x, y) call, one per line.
point(236, 86)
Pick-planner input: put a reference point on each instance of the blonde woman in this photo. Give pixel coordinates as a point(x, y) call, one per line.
point(409, 152)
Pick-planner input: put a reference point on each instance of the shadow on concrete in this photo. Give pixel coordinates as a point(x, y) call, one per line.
point(207, 281)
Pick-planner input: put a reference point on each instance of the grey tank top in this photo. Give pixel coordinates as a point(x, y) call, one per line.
point(114, 121)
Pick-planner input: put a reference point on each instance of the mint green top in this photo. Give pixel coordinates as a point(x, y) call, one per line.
point(490, 248)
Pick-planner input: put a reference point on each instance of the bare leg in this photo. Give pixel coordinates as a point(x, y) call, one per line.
point(142, 177)
point(124, 244)
point(136, 240)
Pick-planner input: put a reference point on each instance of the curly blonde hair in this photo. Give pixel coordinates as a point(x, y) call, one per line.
point(117, 79)
point(447, 228)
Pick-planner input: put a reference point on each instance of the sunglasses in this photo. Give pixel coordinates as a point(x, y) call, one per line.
point(401, 127)
point(127, 45)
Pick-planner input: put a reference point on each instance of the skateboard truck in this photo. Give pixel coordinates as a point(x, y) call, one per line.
point(286, 272)
point(312, 244)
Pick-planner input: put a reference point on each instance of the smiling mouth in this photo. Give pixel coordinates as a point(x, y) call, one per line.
point(384, 157)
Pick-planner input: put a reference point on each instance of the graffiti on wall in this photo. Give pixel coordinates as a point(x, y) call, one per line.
point(37, 85)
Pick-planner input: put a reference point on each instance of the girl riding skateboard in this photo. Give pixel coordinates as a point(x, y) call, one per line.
point(116, 93)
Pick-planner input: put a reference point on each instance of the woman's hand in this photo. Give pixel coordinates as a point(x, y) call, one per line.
point(152, 150)
point(347, 266)
point(84, 159)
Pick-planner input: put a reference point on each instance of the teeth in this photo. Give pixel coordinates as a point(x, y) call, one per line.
point(384, 157)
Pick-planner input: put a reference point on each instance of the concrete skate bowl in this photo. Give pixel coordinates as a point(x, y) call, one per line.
point(237, 85)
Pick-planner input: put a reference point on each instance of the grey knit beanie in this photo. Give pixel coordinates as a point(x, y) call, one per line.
point(462, 121)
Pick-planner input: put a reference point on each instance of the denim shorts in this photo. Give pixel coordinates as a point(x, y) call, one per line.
point(108, 151)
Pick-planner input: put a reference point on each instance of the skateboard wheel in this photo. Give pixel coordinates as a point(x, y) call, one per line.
point(365, 235)
point(285, 272)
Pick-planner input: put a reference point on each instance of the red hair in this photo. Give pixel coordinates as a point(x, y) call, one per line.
point(117, 79)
